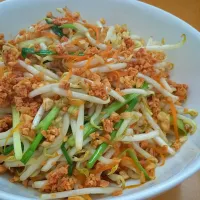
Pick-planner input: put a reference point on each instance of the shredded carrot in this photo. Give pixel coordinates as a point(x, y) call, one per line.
point(71, 57)
point(68, 76)
point(40, 75)
point(101, 168)
point(125, 146)
point(96, 30)
point(86, 197)
point(174, 114)
point(116, 146)
point(157, 78)
point(133, 186)
point(1, 71)
point(107, 52)
point(97, 35)
point(116, 54)
point(76, 102)
point(128, 161)
point(163, 159)
point(87, 65)
point(161, 151)
point(120, 147)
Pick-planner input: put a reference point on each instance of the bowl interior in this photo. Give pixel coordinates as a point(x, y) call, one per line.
point(143, 20)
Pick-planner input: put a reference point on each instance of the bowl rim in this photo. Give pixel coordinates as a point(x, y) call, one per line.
point(172, 181)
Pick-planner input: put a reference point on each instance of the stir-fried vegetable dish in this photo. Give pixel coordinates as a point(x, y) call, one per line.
point(85, 108)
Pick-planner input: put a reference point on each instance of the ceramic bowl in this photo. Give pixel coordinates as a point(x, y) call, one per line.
point(143, 20)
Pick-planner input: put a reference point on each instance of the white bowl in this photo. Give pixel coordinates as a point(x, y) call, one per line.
point(144, 20)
